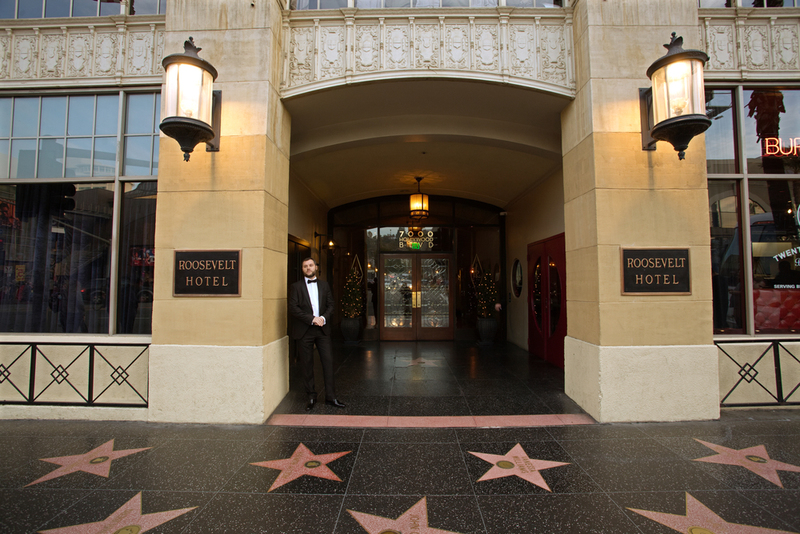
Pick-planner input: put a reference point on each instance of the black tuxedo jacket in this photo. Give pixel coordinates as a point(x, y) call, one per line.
point(300, 309)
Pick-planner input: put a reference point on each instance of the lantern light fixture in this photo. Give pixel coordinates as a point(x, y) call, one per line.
point(418, 203)
point(673, 109)
point(191, 106)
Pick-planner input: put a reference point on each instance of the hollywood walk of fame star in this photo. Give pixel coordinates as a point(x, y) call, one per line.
point(127, 519)
point(699, 519)
point(754, 459)
point(96, 462)
point(302, 462)
point(413, 362)
point(516, 462)
point(414, 520)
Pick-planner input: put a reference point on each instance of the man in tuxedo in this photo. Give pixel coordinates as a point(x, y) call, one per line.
point(310, 307)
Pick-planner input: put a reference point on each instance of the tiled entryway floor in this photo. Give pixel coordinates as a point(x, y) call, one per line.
point(736, 475)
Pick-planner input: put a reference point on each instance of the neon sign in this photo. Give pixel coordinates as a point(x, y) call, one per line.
point(775, 146)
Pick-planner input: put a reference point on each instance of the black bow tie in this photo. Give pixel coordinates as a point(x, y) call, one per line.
point(314, 281)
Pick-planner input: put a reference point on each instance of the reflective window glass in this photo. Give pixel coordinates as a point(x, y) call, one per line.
point(26, 117)
point(716, 3)
point(109, 7)
point(84, 8)
point(79, 158)
point(51, 158)
point(105, 156)
point(7, 9)
point(3, 159)
point(81, 115)
point(772, 131)
point(54, 115)
point(30, 9)
point(721, 136)
point(107, 110)
point(776, 255)
point(137, 156)
point(56, 8)
point(139, 115)
point(5, 117)
point(726, 256)
point(23, 158)
point(137, 258)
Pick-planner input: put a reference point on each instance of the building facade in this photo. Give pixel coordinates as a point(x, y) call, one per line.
point(521, 117)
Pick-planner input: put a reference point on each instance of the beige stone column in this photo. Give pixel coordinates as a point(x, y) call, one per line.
point(633, 358)
point(224, 359)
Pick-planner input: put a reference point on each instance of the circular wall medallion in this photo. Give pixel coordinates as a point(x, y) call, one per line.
point(505, 464)
point(98, 460)
point(756, 459)
point(313, 463)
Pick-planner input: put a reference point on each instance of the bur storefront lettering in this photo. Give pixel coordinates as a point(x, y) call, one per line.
point(655, 271)
point(207, 273)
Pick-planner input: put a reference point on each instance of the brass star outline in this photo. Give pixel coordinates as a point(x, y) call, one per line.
point(414, 520)
point(753, 459)
point(699, 519)
point(302, 462)
point(96, 462)
point(516, 462)
point(128, 519)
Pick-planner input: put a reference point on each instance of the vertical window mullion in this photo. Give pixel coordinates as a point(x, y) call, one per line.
point(116, 220)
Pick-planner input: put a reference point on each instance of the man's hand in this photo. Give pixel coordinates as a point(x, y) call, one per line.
point(318, 321)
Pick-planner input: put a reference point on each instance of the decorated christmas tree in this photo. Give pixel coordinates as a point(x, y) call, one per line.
point(352, 297)
point(485, 294)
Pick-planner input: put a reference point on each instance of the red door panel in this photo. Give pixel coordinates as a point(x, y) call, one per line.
point(547, 310)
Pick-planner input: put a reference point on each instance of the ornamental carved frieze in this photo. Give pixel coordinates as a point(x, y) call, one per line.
point(140, 47)
point(756, 47)
point(523, 50)
point(721, 48)
point(159, 51)
point(105, 63)
point(396, 47)
point(486, 47)
point(24, 56)
point(79, 57)
point(426, 46)
point(52, 56)
point(331, 56)
point(301, 56)
point(367, 49)
point(5, 53)
point(785, 47)
point(456, 47)
point(553, 54)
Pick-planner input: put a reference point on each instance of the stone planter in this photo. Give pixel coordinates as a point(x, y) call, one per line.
point(487, 328)
point(350, 330)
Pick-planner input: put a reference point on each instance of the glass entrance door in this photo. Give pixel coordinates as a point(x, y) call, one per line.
point(415, 296)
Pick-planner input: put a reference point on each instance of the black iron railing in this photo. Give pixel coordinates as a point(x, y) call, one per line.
point(74, 374)
point(759, 372)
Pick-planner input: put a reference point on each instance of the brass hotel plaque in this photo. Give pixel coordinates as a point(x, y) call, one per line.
point(207, 273)
point(654, 271)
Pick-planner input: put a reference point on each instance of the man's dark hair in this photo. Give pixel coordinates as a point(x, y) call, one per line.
point(309, 258)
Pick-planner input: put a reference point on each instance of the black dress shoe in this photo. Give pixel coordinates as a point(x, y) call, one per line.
point(335, 403)
point(311, 402)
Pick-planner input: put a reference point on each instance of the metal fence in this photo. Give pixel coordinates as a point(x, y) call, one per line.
point(759, 372)
point(74, 374)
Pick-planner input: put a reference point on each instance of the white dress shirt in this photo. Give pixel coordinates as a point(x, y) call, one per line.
point(313, 294)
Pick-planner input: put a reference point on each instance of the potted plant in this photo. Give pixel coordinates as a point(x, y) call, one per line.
point(352, 307)
point(485, 299)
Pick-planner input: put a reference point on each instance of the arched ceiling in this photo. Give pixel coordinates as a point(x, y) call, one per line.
point(475, 140)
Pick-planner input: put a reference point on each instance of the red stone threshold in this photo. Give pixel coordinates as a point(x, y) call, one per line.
point(469, 421)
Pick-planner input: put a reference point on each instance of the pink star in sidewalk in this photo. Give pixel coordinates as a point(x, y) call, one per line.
point(754, 459)
point(415, 520)
point(516, 462)
point(418, 362)
point(701, 520)
point(302, 462)
point(126, 520)
point(96, 462)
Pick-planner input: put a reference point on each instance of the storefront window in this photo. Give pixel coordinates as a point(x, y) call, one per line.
point(775, 255)
point(726, 256)
point(721, 136)
point(142, 117)
point(137, 258)
point(772, 131)
point(35, 9)
point(55, 257)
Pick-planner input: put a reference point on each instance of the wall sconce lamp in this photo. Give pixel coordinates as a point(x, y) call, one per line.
point(191, 106)
point(674, 108)
point(418, 203)
point(331, 242)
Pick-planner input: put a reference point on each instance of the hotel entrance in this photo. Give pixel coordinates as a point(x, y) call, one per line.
point(415, 292)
